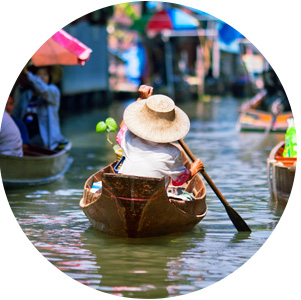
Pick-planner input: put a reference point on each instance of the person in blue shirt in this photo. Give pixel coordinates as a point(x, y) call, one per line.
point(38, 106)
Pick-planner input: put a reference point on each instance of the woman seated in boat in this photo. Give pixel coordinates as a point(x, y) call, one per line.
point(10, 137)
point(147, 131)
point(39, 104)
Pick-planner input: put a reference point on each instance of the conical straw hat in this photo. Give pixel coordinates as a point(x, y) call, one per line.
point(156, 119)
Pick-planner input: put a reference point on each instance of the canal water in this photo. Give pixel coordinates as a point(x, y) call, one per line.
point(164, 266)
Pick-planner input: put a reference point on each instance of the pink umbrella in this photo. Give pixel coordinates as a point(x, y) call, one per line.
point(61, 49)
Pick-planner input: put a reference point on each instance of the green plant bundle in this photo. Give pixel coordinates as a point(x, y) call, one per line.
point(109, 125)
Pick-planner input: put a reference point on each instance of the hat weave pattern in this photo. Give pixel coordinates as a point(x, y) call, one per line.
point(157, 119)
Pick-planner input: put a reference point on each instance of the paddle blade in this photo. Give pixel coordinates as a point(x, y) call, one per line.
point(237, 220)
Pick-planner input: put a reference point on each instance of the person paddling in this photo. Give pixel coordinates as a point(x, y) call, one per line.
point(150, 125)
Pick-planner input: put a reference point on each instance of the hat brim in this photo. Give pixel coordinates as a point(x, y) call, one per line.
point(155, 130)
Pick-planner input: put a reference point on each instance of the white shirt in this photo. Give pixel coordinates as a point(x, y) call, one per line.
point(149, 159)
point(10, 137)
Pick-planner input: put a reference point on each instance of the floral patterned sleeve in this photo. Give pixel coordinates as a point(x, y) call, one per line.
point(120, 134)
point(181, 178)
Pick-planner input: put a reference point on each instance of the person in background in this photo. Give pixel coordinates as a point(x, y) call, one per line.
point(10, 137)
point(21, 125)
point(38, 106)
point(276, 100)
point(149, 127)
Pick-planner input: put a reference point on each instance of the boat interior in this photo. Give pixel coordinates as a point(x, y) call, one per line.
point(286, 161)
point(33, 150)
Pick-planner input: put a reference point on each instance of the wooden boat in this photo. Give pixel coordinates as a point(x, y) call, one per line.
point(253, 118)
point(137, 207)
point(38, 165)
point(281, 173)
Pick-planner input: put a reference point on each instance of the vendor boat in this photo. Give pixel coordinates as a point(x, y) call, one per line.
point(281, 173)
point(254, 118)
point(137, 207)
point(38, 165)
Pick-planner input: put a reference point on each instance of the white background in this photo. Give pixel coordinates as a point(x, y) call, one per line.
point(274, 28)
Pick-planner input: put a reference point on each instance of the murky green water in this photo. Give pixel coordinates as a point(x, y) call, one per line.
point(163, 266)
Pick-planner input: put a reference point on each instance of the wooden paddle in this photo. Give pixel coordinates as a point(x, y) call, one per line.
point(236, 219)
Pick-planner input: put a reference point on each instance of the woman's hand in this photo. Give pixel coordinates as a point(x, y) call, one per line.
point(145, 91)
point(196, 167)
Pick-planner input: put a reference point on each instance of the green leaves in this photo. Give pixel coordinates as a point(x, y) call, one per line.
point(109, 125)
point(101, 127)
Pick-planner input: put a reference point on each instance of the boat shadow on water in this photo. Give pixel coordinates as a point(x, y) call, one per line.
point(143, 268)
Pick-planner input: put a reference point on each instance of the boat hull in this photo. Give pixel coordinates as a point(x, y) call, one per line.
point(256, 120)
point(138, 207)
point(33, 170)
point(281, 173)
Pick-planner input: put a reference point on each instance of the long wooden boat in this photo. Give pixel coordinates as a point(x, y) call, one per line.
point(281, 173)
point(253, 118)
point(137, 207)
point(38, 165)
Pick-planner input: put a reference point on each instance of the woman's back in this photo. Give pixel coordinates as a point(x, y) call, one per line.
point(149, 159)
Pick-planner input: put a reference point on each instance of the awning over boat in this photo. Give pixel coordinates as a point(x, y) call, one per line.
point(61, 49)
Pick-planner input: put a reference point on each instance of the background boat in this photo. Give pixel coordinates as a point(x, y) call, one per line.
point(254, 118)
point(37, 166)
point(281, 173)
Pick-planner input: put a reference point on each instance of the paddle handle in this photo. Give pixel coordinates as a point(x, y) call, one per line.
point(205, 175)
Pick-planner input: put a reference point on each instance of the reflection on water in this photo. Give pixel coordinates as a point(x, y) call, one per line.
point(163, 266)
